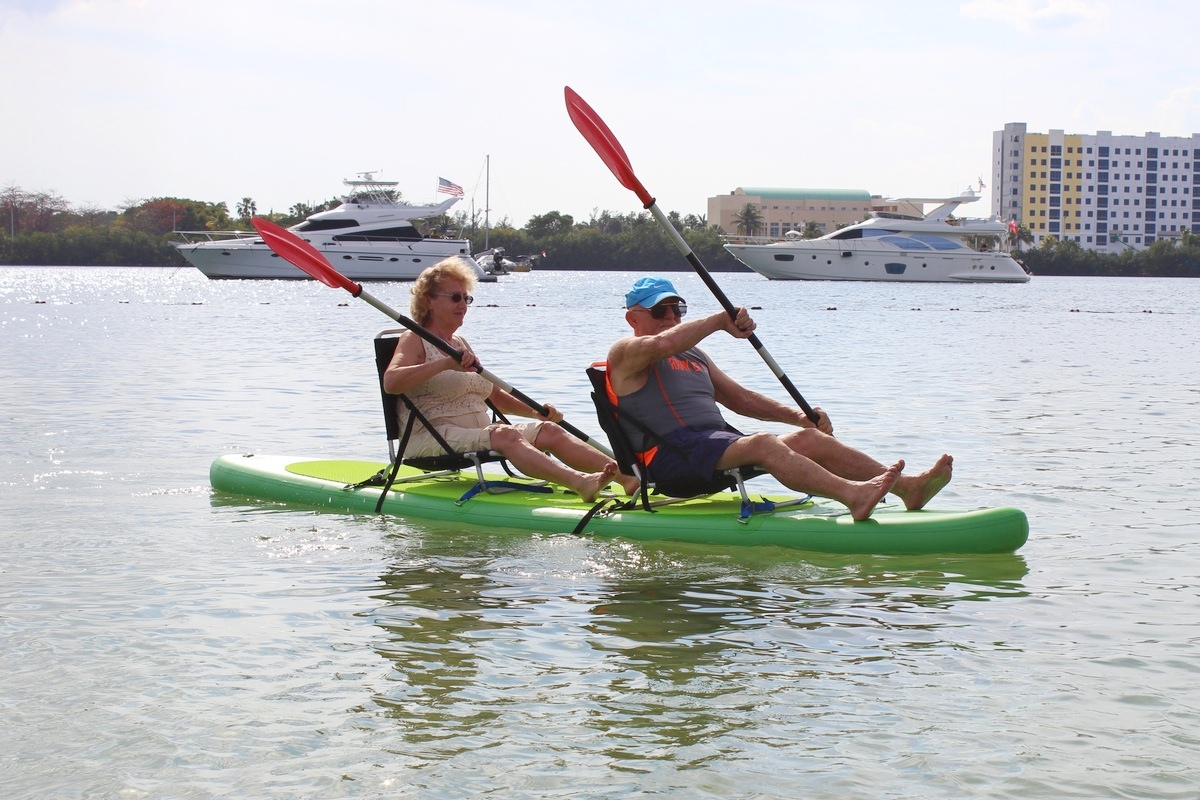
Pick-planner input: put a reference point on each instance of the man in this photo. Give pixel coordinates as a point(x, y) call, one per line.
point(660, 377)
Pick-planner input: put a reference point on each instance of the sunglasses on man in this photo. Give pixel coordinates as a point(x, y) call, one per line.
point(660, 311)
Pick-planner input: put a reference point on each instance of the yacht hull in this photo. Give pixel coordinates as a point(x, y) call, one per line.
point(850, 261)
point(362, 261)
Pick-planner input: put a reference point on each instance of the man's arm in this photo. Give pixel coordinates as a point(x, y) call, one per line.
point(628, 358)
point(741, 400)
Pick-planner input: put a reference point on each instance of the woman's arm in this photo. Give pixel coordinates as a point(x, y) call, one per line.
point(409, 369)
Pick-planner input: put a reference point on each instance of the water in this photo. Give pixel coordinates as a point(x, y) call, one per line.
point(159, 641)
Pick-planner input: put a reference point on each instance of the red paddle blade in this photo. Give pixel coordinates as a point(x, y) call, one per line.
point(300, 253)
point(601, 139)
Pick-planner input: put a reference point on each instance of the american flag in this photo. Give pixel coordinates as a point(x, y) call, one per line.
point(446, 187)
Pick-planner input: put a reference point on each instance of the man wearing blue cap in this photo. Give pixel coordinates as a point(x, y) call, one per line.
point(660, 376)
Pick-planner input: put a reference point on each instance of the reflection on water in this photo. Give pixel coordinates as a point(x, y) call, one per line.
point(670, 645)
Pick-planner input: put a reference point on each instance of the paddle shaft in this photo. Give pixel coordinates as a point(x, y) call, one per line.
point(713, 287)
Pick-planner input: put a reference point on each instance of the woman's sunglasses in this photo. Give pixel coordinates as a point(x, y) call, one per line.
point(660, 311)
point(456, 297)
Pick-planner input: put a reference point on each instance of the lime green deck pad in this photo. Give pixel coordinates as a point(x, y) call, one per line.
point(822, 526)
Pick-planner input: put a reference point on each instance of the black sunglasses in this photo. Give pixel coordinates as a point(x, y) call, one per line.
point(456, 297)
point(660, 311)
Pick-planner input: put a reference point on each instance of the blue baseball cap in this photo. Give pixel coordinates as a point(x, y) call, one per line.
point(649, 292)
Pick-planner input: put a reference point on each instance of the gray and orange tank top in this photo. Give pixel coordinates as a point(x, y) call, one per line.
point(678, 393)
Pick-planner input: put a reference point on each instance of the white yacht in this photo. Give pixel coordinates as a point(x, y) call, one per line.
point(891, 247)
point(369, 237)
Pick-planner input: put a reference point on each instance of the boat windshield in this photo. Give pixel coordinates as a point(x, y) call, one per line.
point(325, 225)
point(938, 242)
point(904, 243)
point(407, 233)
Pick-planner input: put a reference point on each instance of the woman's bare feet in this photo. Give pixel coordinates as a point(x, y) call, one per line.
point(589, 485)
point(917, 490)
point(867, 494)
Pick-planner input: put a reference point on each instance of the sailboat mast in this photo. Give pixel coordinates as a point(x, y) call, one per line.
point(487, 200)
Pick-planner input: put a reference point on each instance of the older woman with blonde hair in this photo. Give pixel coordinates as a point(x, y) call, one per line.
point(452, 395)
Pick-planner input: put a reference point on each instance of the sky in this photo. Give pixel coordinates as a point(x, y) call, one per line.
point(110, 102)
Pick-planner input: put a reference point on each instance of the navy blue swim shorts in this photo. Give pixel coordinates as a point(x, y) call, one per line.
point(690, 453)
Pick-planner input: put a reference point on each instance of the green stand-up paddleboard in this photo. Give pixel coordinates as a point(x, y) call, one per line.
point(818, 525)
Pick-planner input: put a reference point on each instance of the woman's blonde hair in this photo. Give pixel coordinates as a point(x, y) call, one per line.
point(429, 281)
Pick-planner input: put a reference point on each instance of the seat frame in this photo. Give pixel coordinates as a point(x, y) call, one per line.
point(451, 462)
point(610, 417)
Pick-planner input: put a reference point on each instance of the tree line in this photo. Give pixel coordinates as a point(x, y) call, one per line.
point(43, 229)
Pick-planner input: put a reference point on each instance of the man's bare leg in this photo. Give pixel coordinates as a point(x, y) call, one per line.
point(843, 460)
point(802, 474)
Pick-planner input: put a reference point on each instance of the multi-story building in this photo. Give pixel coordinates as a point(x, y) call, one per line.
point(1103, 191)
point(783, 210)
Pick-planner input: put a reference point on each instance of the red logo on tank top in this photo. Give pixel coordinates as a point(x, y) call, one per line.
point(683, 364)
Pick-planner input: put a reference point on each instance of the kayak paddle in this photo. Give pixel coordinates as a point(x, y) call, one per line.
point(300, 253)
point(611, 153)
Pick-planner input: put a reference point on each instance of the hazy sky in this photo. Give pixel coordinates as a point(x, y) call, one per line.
point(107, 102)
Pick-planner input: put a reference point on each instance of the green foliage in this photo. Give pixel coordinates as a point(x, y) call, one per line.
point(83, 247)
point(748, 220)
point(162, 215)
point(1164, 258)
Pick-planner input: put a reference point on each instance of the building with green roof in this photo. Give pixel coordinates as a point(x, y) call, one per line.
point(781, 210)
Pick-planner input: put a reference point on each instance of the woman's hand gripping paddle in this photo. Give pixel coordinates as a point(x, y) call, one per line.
point(300, 253)
point(611, 153)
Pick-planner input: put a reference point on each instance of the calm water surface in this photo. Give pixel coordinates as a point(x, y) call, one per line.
point(159, 641)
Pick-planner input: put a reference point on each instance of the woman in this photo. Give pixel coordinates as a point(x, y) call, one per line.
point(451, 395)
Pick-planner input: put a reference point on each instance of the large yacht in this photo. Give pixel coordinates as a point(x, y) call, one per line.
point(369, 237)
point(892, 247)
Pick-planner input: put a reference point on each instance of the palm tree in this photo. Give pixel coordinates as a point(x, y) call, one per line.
point(1021, 235)
point(748, 220)
point(247, 208)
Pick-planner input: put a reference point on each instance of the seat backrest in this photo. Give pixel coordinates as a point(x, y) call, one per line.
point(385, 348)
point(609, 417)
point(606, 415)
point(386, 342)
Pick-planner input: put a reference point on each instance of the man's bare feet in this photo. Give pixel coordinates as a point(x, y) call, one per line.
point(590, 485)
point(629, 483)
point(917, 490)
point(869, 493)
